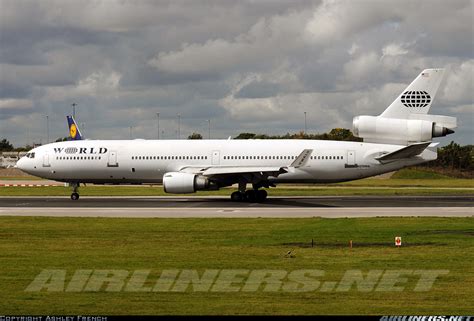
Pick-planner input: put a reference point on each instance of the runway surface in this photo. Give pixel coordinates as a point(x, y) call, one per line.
point(349, 206)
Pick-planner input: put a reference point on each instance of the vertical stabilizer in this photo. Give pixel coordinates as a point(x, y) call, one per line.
point(417, 97)
point(74, 132)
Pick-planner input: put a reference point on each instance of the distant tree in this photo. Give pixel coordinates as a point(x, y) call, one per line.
point(245, 136)
point(62, 139)
point(334, 134)
point(340, 134)
point(23, 149)
point(195, 136)
point(5, 145)
point(455, 156)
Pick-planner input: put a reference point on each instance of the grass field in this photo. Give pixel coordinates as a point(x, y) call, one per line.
point(28, 245)
point(415, 173)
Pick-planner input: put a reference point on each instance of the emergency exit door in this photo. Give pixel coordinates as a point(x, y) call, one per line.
point(46, 160)
point(112, 162)
point(216, 157)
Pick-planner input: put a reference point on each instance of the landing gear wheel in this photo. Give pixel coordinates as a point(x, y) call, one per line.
point(237, 196)
point(75, 196)
point(251, 195)
point(261, 195)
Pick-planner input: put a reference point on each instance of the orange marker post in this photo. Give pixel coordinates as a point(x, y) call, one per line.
point(398, 241)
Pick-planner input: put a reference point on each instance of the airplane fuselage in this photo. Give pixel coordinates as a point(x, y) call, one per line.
point(146, 161)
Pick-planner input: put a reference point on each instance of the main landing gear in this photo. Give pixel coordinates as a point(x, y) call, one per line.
point(251, 195)
point(75, 194)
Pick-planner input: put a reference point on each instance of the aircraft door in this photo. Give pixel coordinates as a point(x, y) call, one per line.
point(112, 161)
point(216, 157)
point(351, 160)
point(46, 160)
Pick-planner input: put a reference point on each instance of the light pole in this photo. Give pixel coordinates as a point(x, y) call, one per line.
point(47, 129)
point(158, 123)
point(305, 123)
point(209, 121)
point(74, 110)
point(179, 126)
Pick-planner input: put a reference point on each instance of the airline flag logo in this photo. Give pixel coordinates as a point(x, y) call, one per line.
point(73, 130)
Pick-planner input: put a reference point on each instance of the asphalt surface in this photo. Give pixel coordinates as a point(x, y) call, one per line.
point(225, 202)
point(275, 207)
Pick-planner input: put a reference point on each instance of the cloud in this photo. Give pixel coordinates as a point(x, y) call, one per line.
point(241, 54)
point(12, 107)
point(246, 65)
point(393, 49)
point(335, 20)
point(459, 83)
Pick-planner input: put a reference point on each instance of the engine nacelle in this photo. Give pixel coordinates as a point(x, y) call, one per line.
point(181, 183)
point(405, 131)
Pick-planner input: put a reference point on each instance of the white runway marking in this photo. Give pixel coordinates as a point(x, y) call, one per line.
point(248, 212)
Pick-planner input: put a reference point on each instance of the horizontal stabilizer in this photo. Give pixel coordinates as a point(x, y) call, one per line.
point(403, 153)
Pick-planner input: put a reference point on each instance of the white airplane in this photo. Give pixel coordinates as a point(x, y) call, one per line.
point(401, 136)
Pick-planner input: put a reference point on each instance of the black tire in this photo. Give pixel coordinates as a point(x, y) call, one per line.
point(75, 196)
point(261, 195)
point(251, 195)
point(237, 196)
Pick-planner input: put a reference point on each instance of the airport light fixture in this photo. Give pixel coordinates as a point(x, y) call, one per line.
point(47, 129)
point(74, 110)
point(158, 124)
point(209, 121)
point(305, 123)
point(179, 126)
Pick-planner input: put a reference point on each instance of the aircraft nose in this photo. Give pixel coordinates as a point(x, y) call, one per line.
point(21, 163)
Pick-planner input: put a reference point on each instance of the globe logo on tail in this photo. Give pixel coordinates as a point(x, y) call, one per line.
point(415, 99)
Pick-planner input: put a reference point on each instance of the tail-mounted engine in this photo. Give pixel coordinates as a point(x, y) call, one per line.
point(402, 131)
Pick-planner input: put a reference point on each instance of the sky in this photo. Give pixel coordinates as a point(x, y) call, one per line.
point(247, 66)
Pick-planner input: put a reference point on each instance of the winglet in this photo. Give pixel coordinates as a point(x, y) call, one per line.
point(302, 158)
point(74, 132)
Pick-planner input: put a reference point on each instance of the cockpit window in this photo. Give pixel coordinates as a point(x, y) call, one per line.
point(30, 155)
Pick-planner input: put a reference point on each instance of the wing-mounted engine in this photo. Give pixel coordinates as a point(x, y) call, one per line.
point(378, 129)
point(181, 183)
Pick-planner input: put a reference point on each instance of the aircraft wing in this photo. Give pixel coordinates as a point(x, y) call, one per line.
point(271, 171)
point(260, 171)
point(234, 170)
point(403, 153)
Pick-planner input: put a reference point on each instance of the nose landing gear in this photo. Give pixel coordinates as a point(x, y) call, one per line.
point(75, 194)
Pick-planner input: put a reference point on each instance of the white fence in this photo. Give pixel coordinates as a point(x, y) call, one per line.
point(9, 159)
